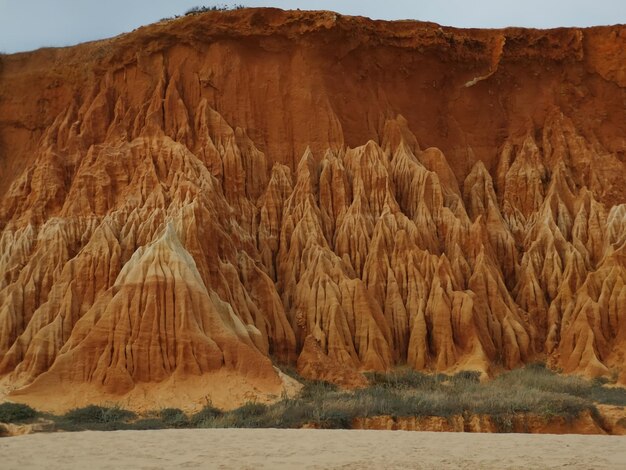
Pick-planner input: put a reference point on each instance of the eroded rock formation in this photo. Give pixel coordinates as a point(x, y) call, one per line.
point(186, 206)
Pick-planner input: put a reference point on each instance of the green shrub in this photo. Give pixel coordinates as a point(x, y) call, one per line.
point(536, 377)
point(174, 418)
point(248, 416)
point(98, 414)
point(292, 414)
point(314, 390)
point(336, 418)
point(16, 413)
point(532, 390)
point(406, 378)
point(600, 381)
point(205, 416)
point(466, 377)
point(608, 395)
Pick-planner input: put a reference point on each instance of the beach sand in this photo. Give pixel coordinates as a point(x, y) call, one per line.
point(304, 448)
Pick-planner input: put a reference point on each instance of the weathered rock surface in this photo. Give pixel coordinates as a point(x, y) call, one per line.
point(184, 205)
point(314, 364)
point(586, 423)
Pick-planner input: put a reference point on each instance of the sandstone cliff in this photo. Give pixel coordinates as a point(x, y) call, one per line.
point(186, 206)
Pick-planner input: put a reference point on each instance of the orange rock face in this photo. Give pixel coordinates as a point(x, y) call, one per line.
point(185, 205)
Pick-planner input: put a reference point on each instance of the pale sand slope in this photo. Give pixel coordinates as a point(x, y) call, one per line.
point(308, 448)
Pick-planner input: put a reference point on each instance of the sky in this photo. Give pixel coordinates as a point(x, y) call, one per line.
point(31, 24)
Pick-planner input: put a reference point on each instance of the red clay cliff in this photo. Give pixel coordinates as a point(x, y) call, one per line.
point(188, 205)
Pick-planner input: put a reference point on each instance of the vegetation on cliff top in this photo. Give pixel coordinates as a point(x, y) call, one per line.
point(218, 7)
point(203, 9)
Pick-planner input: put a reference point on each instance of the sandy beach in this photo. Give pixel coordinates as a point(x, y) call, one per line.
point(312, 449)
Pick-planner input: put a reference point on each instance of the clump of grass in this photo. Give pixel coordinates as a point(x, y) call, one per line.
point(16, 413)
point(219, 7)
point(94, 417)
point(313, 390)
point(538, 377)
point(205, 417)
point(291, 413)
point(202, 9)
point(402, 379)
point(250, 415)
point(530, 390)
point(174, 418)
point(466, 377)
point(406, 393)
point(249, 411)
point(98, 414)
point(402, 393)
